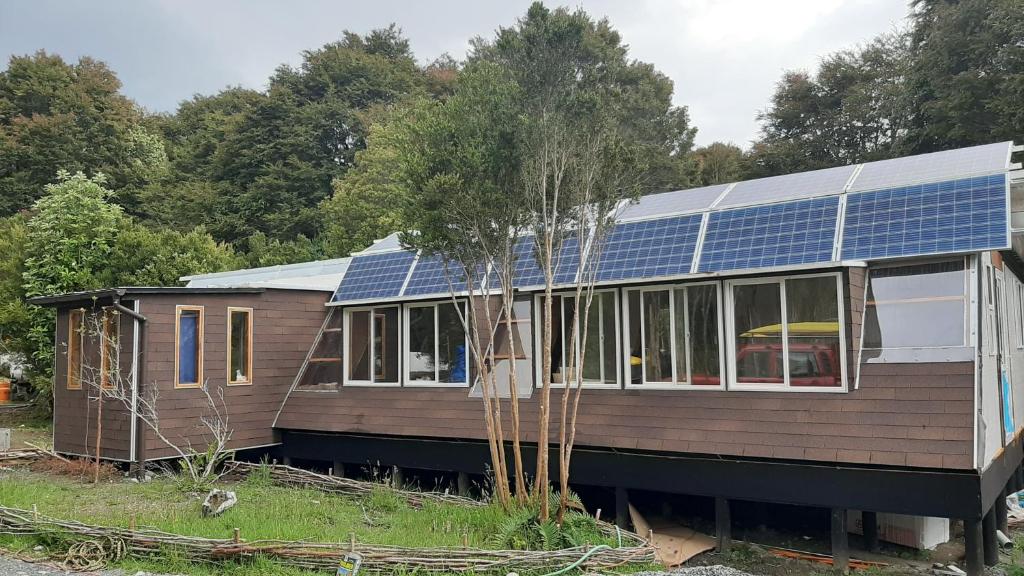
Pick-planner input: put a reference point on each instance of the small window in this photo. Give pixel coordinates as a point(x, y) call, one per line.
point(372, 344)
point(598, 354)
point(239, 346)
point(109, 349)
point(188, 344)
point(75, 337)
point(436, 345)
point(917, 306)
point(787, 333)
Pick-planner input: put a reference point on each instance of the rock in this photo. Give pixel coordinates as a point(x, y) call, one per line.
point(217, 501)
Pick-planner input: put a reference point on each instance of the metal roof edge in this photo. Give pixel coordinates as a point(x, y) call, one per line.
point(130, 290)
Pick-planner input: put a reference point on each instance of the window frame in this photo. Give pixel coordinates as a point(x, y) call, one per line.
point(538, 338)
point(674, 385)
point(109, 314)
point(248, 359)
point(730, 326)
point(347, 336)
point(406, 356)
point(200, 351)
point(75, 347)
point(1019, 313)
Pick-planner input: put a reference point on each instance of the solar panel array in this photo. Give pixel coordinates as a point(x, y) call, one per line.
point(375, 276)
point(649, 248)
point(953, 216)
point(801, 232)
point(945, 202)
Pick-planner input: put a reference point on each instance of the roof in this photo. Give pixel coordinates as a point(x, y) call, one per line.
point(322, 275)
point(954, 201)
point(104, 293)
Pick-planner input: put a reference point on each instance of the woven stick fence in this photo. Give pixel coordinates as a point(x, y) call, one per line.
point(96, 545)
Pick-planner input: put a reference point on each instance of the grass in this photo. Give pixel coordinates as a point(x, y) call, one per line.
point(1014, 566)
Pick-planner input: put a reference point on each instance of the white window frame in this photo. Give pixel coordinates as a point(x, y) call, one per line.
point(675, 384)
point(407, 353)
point(785, 386)
point(1019, 291)
point(345, 355)
point(537, 336)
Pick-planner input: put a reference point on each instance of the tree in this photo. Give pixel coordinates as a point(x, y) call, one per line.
point(141, 256)
point(718, 163)
point(58, 116)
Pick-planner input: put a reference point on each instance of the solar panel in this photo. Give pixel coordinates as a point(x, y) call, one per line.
point(692, 200)
point(649, 248)
point(953, 216)
point(934, 167)
point(375, 276)
point(800, 232)
point(431, 276)
point(528, 273)
point(813, 184)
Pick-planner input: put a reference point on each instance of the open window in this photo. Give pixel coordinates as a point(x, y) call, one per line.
point(371, 343)
point(76, 335)
point(109, 348)
point(597, 353)
point(787, 333)
point(188, 347)
point(436, 345)
point(673, 336)
point(239, 346)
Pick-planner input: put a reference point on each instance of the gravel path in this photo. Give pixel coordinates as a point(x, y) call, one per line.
point(697, 571)
point(12, 567)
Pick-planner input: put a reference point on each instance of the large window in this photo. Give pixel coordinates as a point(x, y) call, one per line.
point(239, 346)
point(75, 337)
point(786, 333)
point(109, 349)
point(188, 344)
point(673, 336)
point(371, 340)
point(918, 306)
point(597, 354)
point(436, 347)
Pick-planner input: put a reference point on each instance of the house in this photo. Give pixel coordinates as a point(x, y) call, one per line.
point(849, 338)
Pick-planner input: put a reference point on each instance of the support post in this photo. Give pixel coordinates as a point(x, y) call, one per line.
point(840, 541)
point(621, 507)
point(462, 483)
point(988, 536)
point(723, 525)
point(339, 469)
point(286, 460)
point(870, 522)
point(973, 555)
point(1002, 522)
point(397, 477)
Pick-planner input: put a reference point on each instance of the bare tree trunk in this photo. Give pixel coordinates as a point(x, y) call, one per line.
point(513, 389)
point(99, 435)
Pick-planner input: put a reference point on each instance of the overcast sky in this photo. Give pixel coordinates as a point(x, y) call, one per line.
point(723, 55)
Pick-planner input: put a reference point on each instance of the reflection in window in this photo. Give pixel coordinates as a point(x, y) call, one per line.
point(189, 344)
point(920, 306)
point(597, 353)
point(75, 337)
point(674, 336)
point(373, 346)
point(437, 345)
point(239, 345)
point(757, 311)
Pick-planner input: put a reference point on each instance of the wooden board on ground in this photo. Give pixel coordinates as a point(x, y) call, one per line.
point(675, 544)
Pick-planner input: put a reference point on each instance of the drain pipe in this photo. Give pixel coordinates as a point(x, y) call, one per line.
point(138, 372)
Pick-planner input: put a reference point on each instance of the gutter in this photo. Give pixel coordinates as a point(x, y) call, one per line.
point(136, 446)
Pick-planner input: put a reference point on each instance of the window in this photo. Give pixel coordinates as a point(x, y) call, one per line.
point(75, 336)
point(239, 346)
point(598, 354)
point(109, 349)
point(673, 336)
point(372, 344)
point(1020, 314)
point(188, 344)
point(918, 306)
point(436, 353)
point(787, 333)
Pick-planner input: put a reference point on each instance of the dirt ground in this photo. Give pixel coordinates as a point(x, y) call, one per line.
point(25, 426)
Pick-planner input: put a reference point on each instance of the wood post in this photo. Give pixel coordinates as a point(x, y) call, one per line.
point(870, 522)
point(1001, 512)
point(840, 541)
point(462, 484)
point(621, 507)
point(397, 477)
point(973, 556)
point(286, 460)
point(339, 468)
point(988, 537)
point(723, 524)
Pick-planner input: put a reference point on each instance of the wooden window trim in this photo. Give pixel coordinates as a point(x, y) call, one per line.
point(109, 315)
point(75, 347)
point(177, 345)
point(248, 358)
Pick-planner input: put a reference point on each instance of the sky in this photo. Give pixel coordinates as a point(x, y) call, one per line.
point(724, 56)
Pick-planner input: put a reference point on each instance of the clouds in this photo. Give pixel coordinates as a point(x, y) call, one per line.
point(723, 55)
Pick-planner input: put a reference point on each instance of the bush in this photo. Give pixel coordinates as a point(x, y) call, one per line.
point(521, 530)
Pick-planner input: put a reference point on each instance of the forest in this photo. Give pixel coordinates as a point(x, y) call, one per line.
point(95, 191)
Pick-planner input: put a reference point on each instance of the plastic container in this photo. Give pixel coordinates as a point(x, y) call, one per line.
point(5, 390)
point(921, 532)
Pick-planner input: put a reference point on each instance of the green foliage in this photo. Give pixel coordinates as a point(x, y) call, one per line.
point(263, 251)
point(521, 529)
point(144, 256)
point(718, 163)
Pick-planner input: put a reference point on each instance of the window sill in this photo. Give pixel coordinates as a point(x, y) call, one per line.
point(663, 386)
point(430, 384)
point(585, 386)
point(787, 389)
point(245, 383)
point(187, 386)
point(363, 384)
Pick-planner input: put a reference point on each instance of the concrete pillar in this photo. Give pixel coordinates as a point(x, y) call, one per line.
point(988, 536)
point(973, 553)
point(622, 508)
point(723, 524)
point(1001, 512)
point(840, 541)
point(870, 522)
point(339, 469)
point(462, 484)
